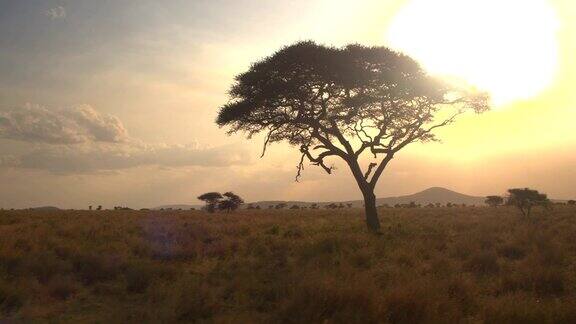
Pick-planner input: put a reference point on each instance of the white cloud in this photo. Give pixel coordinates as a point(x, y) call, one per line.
point(91, 157)
point(83, 140)
point(80, 124)
point(58, 12)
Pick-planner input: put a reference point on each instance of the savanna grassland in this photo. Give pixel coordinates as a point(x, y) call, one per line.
point(430, 265)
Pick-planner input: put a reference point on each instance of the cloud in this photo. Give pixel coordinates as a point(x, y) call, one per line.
point(58, 12)
point(83, 140)
point(80, 124)
point(89, 158)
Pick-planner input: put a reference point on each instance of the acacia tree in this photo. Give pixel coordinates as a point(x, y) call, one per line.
point(494, 201)
point(525, 199)
point(211, 199)
point(343, 103)
point(231, 202)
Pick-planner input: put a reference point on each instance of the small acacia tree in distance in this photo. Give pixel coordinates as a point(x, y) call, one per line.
point(231, 202)
point(494, 201)
point(342, 103)
point(524, 199)
point(211, 199)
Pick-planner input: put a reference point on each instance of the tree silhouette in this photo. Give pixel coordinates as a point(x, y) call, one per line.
point(571, 202)
point(211, 199)
point(280, 206)
point(494, 201)
point(343, 102)
point(230, 202)
point(526, 198)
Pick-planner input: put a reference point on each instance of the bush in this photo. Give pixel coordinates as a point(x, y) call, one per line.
point(483, 264)
point(62, 287)
point(11, 298)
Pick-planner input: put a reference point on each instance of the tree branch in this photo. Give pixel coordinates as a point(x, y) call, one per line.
point(370, 167)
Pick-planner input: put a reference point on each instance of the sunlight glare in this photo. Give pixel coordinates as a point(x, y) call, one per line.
point(508, 48)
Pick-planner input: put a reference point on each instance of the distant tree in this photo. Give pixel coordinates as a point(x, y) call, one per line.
point(438, 205)
point(230, 202)
point(294, 207)
point(226, 205)
point(449, 204)
point(571, 202)
point(525, 199)
point(344, 102)
point(494, 201)
point(430, 205)
point(90, 207)
point(271, 206)
point(211, 199)
point(281, 206)
point(349, 205)
point(331, 206)
point(99, 207)
point(314, 206)
point(258, 207)
point(412, 204)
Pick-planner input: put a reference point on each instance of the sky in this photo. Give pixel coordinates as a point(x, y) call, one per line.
point(113, 102)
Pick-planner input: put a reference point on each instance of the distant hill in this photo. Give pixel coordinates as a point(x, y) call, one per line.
point(430, 195)
point(433, 195)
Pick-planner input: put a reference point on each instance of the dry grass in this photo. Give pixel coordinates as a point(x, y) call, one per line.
point(437, 265)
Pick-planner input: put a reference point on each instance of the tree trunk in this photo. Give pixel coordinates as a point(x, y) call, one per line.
point(372, 220)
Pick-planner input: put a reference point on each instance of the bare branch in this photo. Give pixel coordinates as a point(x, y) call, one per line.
point(379, 170)
point(370, 167)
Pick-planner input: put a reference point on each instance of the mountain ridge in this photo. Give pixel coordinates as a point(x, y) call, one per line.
point(430, 195)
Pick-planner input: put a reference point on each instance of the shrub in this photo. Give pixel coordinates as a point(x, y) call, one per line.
point(62, 287)
point(483, 263)
point(11, 298)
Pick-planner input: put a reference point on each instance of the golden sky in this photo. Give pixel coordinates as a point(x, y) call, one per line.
point(134, 88)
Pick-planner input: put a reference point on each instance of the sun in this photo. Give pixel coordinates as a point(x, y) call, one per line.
point(506, 47)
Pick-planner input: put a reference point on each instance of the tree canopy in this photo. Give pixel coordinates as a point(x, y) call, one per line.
point(228, 201)
point(494, 201)
point(526, 198)
point(343, 102)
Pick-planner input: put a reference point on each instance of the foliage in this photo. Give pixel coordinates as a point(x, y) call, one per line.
point(525, 199)
point(211, 199)
point(494, 201)
point(343, 102)
point(230, 202)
